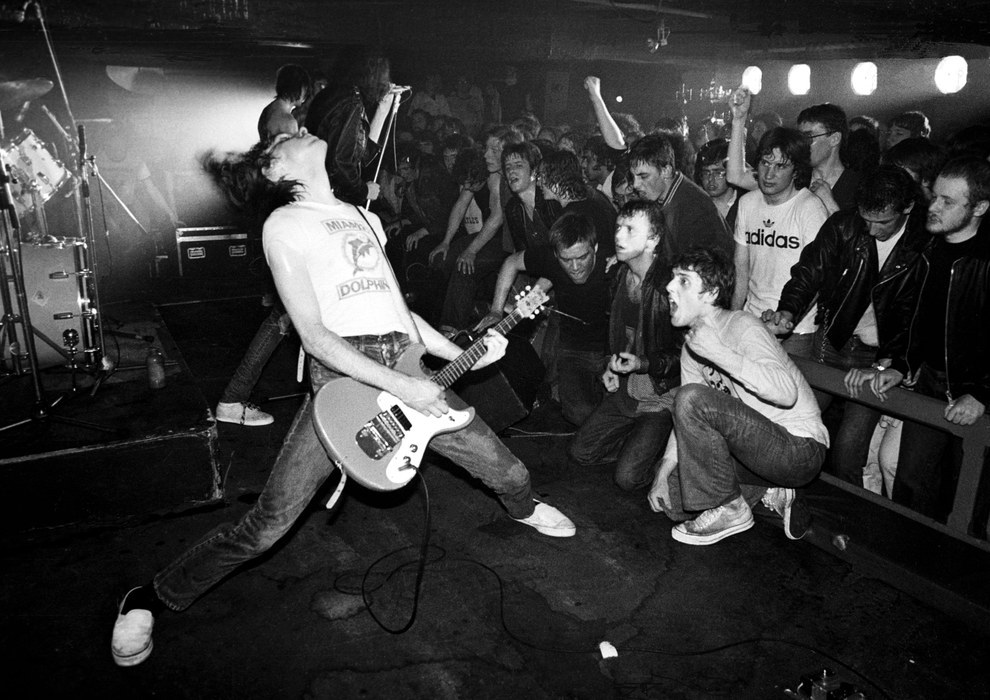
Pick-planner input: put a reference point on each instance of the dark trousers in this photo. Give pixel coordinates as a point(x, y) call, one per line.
point(928, 465)
point(616, 432)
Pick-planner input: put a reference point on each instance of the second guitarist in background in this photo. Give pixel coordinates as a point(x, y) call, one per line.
point(331, 273)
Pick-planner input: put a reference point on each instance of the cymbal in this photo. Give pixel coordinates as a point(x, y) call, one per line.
point(14, 93)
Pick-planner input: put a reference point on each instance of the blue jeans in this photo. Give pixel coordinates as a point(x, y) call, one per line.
point(579, 383)
point(722, 443)
point(851, 442)
point(617, 432)
point(301, 468)
point(275, 327)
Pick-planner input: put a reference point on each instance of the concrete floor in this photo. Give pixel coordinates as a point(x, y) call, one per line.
point(503, 611)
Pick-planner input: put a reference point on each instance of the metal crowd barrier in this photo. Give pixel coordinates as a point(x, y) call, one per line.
point(920, 409)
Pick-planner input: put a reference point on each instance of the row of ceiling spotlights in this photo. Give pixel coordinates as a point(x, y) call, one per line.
point(950, 76)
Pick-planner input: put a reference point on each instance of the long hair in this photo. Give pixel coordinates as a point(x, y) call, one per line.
point(239, 177)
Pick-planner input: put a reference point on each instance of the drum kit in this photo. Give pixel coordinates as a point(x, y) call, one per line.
point(48, 281)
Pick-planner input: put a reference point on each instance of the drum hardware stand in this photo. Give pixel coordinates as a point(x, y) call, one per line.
point(11, 247)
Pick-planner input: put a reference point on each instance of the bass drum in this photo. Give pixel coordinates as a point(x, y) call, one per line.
point(47, 297)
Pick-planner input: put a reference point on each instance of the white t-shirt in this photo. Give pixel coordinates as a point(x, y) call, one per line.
point(354, 285)
point(763, 376)
point(775, 236)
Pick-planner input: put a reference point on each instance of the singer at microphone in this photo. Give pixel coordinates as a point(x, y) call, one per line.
point(339, 113)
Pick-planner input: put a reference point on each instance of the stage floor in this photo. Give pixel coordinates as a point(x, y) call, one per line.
point(504, 612)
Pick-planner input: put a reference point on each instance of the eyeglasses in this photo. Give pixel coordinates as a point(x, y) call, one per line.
point(713, 174)
point(812, 137)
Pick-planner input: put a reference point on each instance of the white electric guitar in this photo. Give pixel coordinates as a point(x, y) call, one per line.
point(377, 439)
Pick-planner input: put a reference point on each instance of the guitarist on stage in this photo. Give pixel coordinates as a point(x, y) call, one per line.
point(332, 275)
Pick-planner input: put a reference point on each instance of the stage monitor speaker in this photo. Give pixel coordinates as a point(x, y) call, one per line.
point(503, 393)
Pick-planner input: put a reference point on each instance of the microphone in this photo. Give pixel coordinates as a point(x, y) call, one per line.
point(82, 145)
point(401, 88)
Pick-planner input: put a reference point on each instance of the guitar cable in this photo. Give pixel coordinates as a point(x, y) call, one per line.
point(594, 648)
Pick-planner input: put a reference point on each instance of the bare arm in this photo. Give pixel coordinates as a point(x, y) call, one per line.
point(457, 213)
point(741, 259)
point(610, 130)
point(736, 171)
point(492, 225)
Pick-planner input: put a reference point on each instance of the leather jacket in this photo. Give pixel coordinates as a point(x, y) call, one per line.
point(839, 270)
point(524, 234)
point(661, 341)
point(338, 117)
point(967, 324)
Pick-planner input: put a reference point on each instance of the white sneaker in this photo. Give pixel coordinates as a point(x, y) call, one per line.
point(131, 643)
point(243, 414)
point(715, 524)
point(549, 521)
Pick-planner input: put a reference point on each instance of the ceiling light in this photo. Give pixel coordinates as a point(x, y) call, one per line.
point(799, 79)
point(752, 80)
point(864, 78)
point(950, 75)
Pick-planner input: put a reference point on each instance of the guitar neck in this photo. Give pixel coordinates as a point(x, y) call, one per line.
point(465, 361)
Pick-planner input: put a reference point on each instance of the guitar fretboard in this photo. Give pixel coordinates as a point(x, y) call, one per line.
point(465, 361)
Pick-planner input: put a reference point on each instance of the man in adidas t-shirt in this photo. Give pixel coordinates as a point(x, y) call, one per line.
point(773, 225)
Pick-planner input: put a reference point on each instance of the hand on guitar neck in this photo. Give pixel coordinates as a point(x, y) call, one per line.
point(427, 397)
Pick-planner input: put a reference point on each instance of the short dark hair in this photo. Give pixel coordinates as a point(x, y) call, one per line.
point(715, 269)
point(504, 133)
point(975, 171)
point(886, 186)
point(914, 121)
point(561, 173)
point(715, 152)
point(621, 174)
point(829, 115)
point(653, 149)
point(628, 125)
point(571, 228)
point(869, 124)
point(292, 82)
point(917, 154)
point(528, 124)
point(794, 146)
point(525, 150)
point(470, 167)
point(653, 213)
point(603, 153)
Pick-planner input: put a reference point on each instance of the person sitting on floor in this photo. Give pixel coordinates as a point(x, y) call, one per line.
point(746, 423)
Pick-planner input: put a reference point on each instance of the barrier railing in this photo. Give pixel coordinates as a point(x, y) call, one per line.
point(922, 409)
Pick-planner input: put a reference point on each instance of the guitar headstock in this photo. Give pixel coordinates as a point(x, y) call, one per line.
point(531, 301)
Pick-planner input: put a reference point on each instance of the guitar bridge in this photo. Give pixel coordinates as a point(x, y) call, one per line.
point(381, 434)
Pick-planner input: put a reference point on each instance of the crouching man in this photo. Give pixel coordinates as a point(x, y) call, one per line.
point(746, 424)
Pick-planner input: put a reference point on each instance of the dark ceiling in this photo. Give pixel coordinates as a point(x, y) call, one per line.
point(525, 30)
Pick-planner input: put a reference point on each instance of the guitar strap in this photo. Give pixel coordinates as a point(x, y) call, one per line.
point(416, 338)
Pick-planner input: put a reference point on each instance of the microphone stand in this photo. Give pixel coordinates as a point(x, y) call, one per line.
point(381, 156)
point(85, 255)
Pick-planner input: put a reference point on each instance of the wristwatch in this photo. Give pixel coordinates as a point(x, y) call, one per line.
point(878, 367)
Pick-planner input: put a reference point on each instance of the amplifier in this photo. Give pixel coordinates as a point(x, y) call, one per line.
point(215, 251)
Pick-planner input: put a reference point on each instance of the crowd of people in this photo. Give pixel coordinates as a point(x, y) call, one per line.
point(687, 269)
